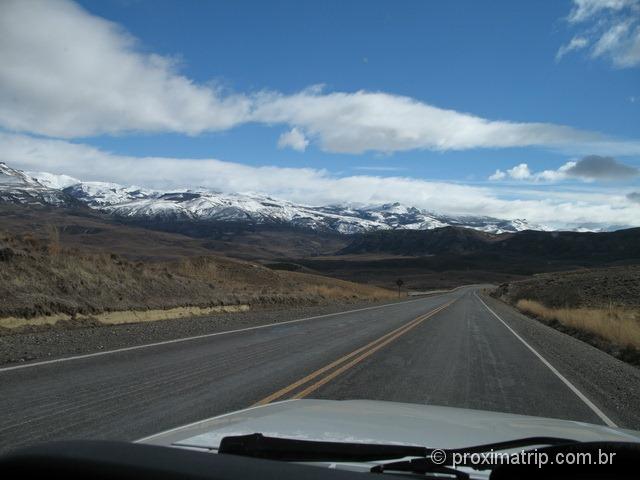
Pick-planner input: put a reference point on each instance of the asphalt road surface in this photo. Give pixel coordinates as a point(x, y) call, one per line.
point(457, 349)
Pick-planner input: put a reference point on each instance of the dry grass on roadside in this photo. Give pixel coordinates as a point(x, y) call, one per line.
point(618, 325)
point(41, 281)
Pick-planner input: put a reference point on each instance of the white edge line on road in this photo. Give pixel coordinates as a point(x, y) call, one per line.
point(571, 386)
point(196, 337)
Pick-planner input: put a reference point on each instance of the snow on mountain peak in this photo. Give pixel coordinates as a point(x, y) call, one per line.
point(253, 208)
point(103, 194)
point(12, 177)
point(52, 180)
point(18, 187)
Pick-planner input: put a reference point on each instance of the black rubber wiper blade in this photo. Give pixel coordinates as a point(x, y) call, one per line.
point(258, 446)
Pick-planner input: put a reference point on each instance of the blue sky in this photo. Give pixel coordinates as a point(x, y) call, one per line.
point(453, 93)
point(492, 59)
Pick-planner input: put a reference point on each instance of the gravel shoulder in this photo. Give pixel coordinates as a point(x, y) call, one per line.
point(60, 342)
point(613, 385)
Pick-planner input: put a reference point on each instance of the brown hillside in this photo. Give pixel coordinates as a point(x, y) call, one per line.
point(41, 277)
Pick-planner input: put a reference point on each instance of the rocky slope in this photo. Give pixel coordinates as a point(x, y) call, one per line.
point(18, 187)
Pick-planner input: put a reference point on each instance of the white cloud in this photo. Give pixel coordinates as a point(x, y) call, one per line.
point(611, 26)
point(585, 9)
point(557, 175)
point(365, 121)
point(295, 139)
point(312, 186)
point(523, 172)
point(589, 168)
point(520, 172)
point(498, 175)
point(621, 43)
point(69, 74)
point(576, 43)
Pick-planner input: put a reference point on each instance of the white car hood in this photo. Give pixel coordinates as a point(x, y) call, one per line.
point(382, 422)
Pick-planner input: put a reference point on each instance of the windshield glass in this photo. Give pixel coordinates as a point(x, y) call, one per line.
point(411, 224)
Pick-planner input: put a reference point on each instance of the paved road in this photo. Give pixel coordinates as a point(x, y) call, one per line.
point(447, 349)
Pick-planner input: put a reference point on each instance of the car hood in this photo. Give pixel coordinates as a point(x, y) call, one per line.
point(365, 421)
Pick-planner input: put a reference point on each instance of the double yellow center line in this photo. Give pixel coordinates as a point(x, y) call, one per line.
point(346, 362)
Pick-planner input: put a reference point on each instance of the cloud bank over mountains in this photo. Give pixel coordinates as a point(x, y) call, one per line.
point(318, 187)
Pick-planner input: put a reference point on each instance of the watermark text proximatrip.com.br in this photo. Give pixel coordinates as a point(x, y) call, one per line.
point(524, 457)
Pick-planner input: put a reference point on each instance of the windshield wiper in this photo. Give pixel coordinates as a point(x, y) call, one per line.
point(291, 450)
point(258, 446)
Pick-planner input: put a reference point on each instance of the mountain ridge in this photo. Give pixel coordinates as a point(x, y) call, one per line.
point(18, 187)
point(584, 247)
point(138, 204)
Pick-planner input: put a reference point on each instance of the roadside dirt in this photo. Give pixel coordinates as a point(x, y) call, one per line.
point(77, 339)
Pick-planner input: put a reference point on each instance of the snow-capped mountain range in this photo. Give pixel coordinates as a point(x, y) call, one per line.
point(18, 187)
point(205, 205)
